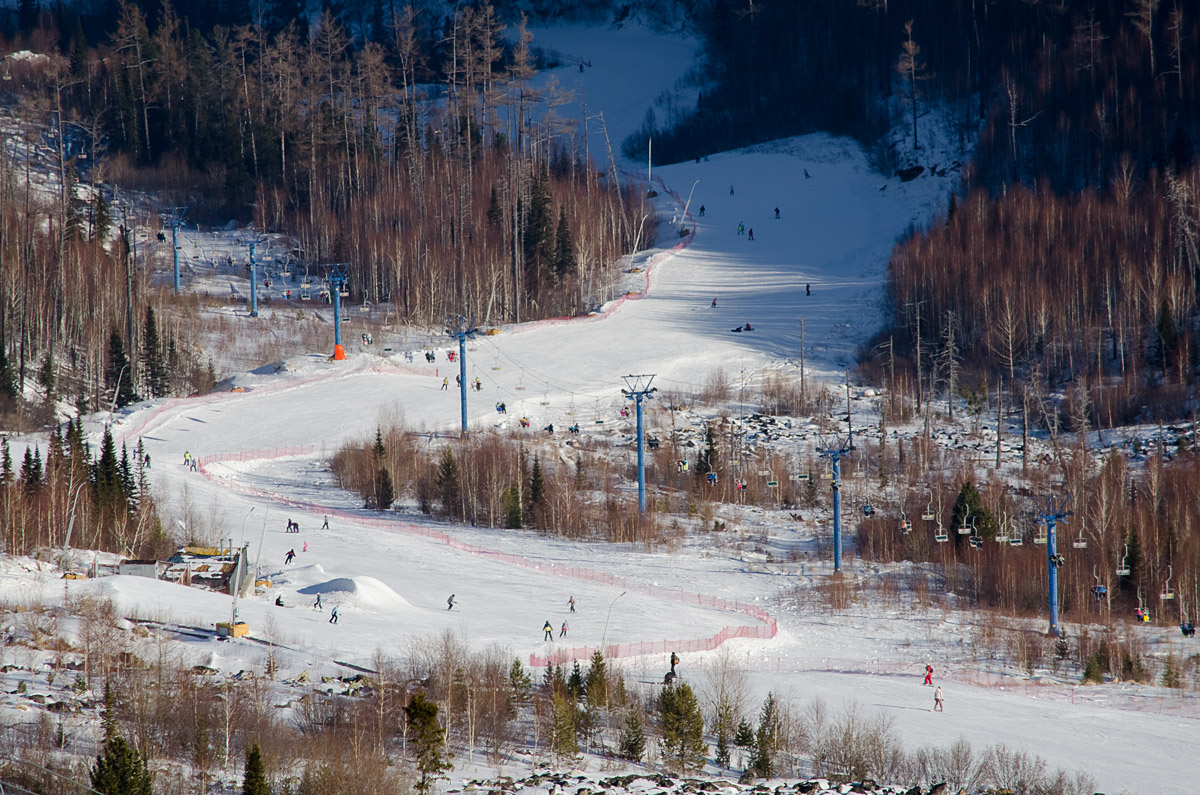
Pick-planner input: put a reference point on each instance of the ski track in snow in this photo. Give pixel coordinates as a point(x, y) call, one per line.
point(835, 232)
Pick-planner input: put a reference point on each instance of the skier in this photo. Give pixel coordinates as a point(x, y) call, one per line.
point(712, 478)
point(147, 460)
point(808, 289)
point(524, 422)
point(458, 380)
point(287, 559)
point(563, 632)
point(674, 662)
point(776, 212)
point(937, 700)
point(325, 526)
point(333, 615)
point(450, 602)
point(187, 458)
point(701, 210)
point(571, 603)
point(549, 630)
point(714, 303)
point(741, 228)
point(501, 408)
point(317, 604)
point(549, 429)
point(806, 176)
point(751, 233)
point(730, 190)
point(445, 383)
point(305, 547)
point(929, 675)
point(194, 463)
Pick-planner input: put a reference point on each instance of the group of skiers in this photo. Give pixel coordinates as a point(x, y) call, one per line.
point(937, 690)
point(189, 461)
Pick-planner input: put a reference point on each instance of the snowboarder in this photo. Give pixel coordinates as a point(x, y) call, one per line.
point(450, 602)
point(549, 630)
point(571, 603)
point(287, 559)
point(445, 383)
point(563, 633)
point(325, 526)
point(317, 604)
point(279, 600)
point(929, 675)
point(937, 700)
point(701, 210)
point(776, 212)
point(808, 289)
point(333, 615)
point(751, 233)
point(714, 303)
point(674, 662)
point(747, 327)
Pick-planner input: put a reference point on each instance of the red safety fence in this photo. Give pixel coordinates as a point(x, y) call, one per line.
point(766, 628)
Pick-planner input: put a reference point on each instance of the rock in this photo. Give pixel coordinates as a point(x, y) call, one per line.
point(938, 789)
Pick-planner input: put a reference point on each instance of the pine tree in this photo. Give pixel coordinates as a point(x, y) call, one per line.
point(46, 377)
point(495, 215)
point(520, 686)
point(428, 741)
point(707, 459)
point(158, 381)
point(575, 688)
point(30, 478)
point(101, 218)
point(385, 491)
point(766, 740)
point(982, 520)
point(633, 736)
point(379, 449)
point(448, 486)
point(6, 464)
point(514, 517)
point(106, 476)
point(118, 375)
point(683, 746)
point(254, 777)
point(121, 770)
point(562, 727)
point(564, 248)
point(537, 488)
point(8, 381)
point(596, 681)
point(722, 728)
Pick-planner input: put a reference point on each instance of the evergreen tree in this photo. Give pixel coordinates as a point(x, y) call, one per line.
point(554, 680)
point(106, 475)
point(8, 381)
point(564, 248)
point(520, 686)
point(744, 736)
point(120, 770)
point(538, 232)
point(723, 728)
point(633, 736)
point(379, 449)
point(575, 682)
point(108, 714)
point(46, 377)
point(101, 218)
point(6, 463)
point(596, 681)
point(254, 777)
point(428, 744)
point(514, 517)
point(158, 381)
point(448, 486)
point(562, 727)
point(981, 519)
point(683, 746)
point(30, 473)
point(118, 375)
point(385, 491)
point(537, 489)
point(766, 740)
point(28, 13)
point(495, 215)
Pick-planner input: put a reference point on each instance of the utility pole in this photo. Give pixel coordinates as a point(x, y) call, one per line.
point(174, 219)
point(253, 240)
point(638, 390)
point(1052, 515)
point(835, 457)
point(337, 280)
point(462, 330)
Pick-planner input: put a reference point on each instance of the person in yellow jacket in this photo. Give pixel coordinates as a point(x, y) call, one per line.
point(549, 630)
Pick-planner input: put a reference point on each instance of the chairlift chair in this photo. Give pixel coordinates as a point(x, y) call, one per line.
point(1142, 613)
point(928, 515)
point(940, 535)
point(305, 291)
point(1080, 542)
point(1016, 540)
point(1123, 567)
point(1002, 533)
point(1167, 593)
point(1099, 590)
point(976, 542)
point(867, 509)
point(964, 529)
point(344, 290)
point(1042, 536)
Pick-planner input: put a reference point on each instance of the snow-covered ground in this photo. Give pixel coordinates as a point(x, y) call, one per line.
point(391, 575)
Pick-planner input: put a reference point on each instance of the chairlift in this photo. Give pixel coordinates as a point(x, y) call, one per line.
point(1080, 542)
point(1099, 590)
point(940, 535)
point(1002, 533)
point(976, 542)
point(1143, 615)
point(1016, 540)
point(305, 291)
point(928, 515)
point(867, 509)
point(1167, 593)
point(1123, 568)
point(344, 290)
point(1042, 536)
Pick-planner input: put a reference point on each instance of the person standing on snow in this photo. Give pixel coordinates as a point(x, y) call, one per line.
point(571, 603)
point(326, 525)
point(937, 700)
point(751, 233)
point(674, 662)
point(548, 630)
point(563, 632)
point(291, 553)
point(929, 675)
point(445, 383)
point(701, 210)
point(317, 604)
point(714, 303)
point(333, 615)
point(741, 228)
point(776, 212)
point(450, 602)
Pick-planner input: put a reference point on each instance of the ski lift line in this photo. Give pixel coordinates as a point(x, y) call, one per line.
point(545, 380)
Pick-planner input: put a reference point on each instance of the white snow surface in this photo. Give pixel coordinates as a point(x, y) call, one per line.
point(391, 574)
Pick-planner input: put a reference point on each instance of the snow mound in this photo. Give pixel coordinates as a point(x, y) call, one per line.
point(366, 593)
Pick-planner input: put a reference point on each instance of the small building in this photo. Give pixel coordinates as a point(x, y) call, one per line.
point(139, 568)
